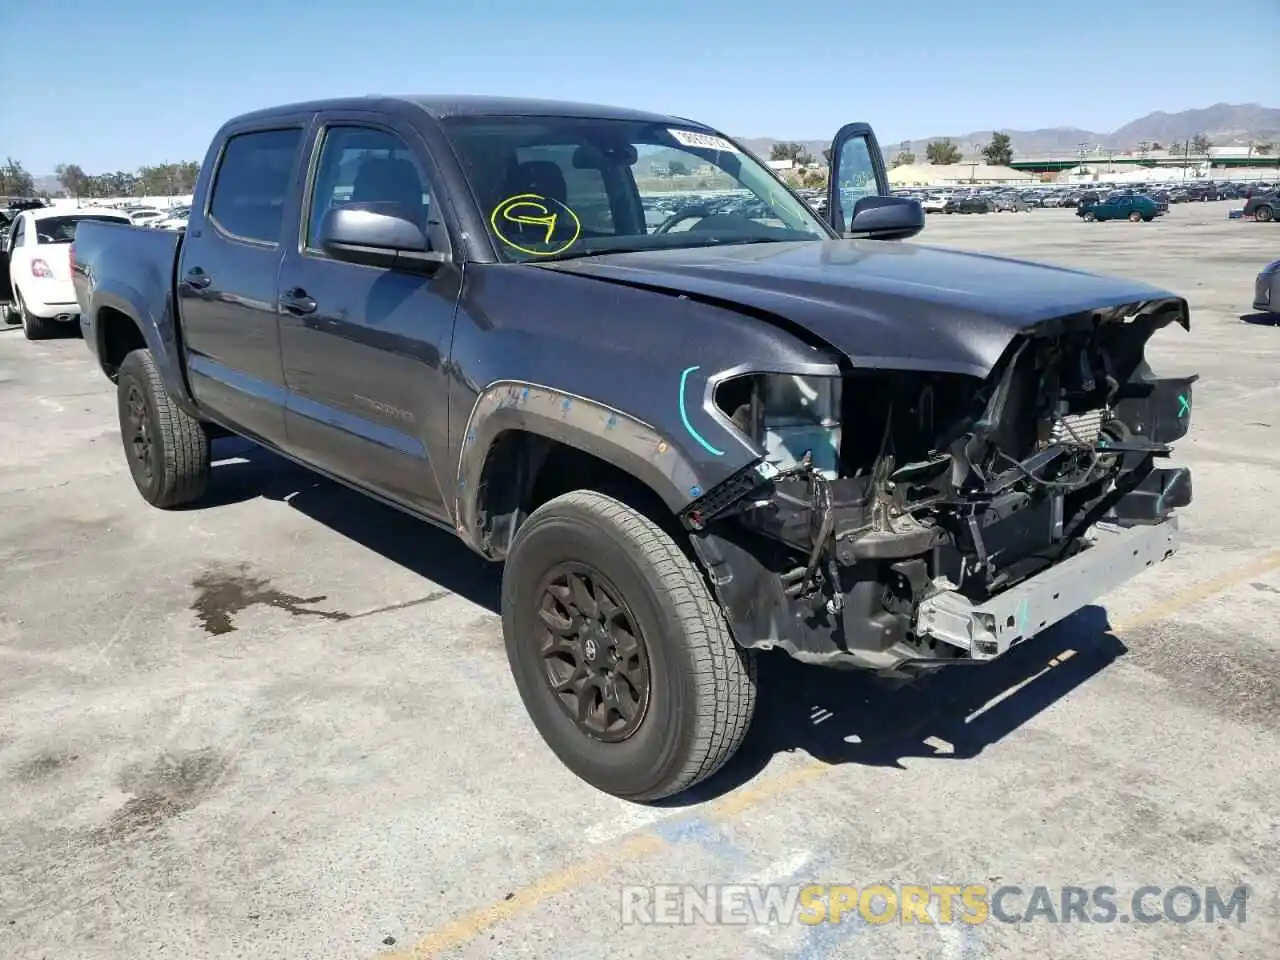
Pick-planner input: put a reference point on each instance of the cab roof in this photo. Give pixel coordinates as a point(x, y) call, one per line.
point(441, 107)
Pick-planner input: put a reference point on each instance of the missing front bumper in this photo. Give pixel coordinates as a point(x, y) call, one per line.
point(986, 630)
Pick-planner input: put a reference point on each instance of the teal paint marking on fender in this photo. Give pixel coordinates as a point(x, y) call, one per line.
point(684, 416)
point(1184, 405)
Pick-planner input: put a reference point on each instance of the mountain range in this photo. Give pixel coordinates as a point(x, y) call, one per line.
point(1225, 124)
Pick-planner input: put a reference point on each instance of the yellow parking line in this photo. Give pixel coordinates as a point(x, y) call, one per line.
point(463, 929)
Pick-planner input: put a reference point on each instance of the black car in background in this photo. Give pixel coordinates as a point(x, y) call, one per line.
point(1263, 206)
point(968, 205)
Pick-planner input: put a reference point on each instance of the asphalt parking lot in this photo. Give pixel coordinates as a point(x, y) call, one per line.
point(282, 724)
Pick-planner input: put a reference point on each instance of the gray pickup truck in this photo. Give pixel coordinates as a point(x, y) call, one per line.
point(694, 419)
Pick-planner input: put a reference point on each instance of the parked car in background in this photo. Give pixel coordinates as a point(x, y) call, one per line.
point(1266, 292)
point(937, 203)
point(967, 205)
point(1262, 206)
point(35, 275)
point(1133, 206)
point(1010, 203)
point(174, 218)
point(141, 218)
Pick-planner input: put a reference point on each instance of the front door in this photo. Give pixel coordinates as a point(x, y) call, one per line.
point(227, 279)
point(6, 283)
point(857, 171)
point(365, 348)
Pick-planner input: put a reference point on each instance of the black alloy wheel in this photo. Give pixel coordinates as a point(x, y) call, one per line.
point(138, 439)
point(594, 654)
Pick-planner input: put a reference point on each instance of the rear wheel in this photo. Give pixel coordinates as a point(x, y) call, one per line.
point(33, 327)
point(624, 662)
point(1264, 213)
point(1135, 216)
point(167, 450)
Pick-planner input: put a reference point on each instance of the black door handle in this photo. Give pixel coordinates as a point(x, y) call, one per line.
point(296, 301)
point(198, 279)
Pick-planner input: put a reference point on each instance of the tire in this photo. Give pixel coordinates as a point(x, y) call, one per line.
point(701, 690)
point(1089, 216)
point(1135, 216)
point(1264, 214)
point(167, 450)
point(33, 327)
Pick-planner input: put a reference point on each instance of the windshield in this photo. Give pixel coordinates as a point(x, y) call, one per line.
point(63, 229)
point(557, 187)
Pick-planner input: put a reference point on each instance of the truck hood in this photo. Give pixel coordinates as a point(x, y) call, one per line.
point(882, 304)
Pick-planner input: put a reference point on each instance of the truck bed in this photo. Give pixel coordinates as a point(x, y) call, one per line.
point(106, 255)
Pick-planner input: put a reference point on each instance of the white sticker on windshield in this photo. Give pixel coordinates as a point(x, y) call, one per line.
point(702, 141)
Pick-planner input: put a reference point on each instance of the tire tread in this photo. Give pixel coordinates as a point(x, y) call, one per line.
point(184, 442)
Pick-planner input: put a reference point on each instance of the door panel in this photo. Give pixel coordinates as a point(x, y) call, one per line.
point(365, 348)
point(227, 282)
point(857, 171)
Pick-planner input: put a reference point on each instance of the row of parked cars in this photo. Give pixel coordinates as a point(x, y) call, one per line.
point(995, 199)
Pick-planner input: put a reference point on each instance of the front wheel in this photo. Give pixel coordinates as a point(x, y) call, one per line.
point(1264, 213)
point(1090, 216)
point(623, 660)
point(167, 450)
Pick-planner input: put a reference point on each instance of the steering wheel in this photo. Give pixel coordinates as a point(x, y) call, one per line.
point(733, 223)
point(681, 215)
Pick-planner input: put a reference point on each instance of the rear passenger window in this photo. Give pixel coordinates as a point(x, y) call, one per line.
point(252, 183)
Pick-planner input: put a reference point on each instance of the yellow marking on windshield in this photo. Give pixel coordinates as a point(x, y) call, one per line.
point(534, 210)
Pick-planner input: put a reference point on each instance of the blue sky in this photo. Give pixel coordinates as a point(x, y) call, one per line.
point(114, 84)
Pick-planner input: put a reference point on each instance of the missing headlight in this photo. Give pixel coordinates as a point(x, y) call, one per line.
point(790, 417)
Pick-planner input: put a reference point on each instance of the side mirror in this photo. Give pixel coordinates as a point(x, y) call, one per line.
point(381, 233)
point(886, 218)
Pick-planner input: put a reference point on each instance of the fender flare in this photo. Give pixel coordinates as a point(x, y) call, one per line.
point(159, 334)
point(614, 436)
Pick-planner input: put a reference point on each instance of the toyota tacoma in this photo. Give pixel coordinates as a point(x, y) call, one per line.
point(694, 419)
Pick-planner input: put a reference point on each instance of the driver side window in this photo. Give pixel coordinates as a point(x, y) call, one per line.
point(364, 164)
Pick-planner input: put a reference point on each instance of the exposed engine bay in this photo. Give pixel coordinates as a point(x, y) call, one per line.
point(910, 517)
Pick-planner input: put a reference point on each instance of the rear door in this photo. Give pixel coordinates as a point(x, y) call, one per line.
point(227, 276)
point(857, 171)
point(365, 348)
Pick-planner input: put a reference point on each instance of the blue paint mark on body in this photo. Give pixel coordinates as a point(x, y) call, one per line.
point(684, 416)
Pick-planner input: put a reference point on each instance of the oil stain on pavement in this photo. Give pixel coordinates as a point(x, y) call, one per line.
point(173, 785)
point(220, 596)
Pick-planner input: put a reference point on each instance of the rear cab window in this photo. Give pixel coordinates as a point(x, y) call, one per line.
point(251, 186)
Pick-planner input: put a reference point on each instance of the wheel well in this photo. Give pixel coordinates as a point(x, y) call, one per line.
point(524, 470)
point(118, 336)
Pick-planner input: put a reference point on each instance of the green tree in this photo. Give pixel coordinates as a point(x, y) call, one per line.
point(677, 169)
point(1175, 149)
point(999, 152)
point(787, 151)
point(942, 152)
point(1200, 145)
point(73, 179)
point(1262, 149)
point(1156, 145)
point(903, 159)
point(15, 181)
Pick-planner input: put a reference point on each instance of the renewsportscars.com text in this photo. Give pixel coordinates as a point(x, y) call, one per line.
point(941, 903)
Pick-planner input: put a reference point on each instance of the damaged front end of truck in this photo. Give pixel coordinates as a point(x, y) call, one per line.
point(898, 519)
